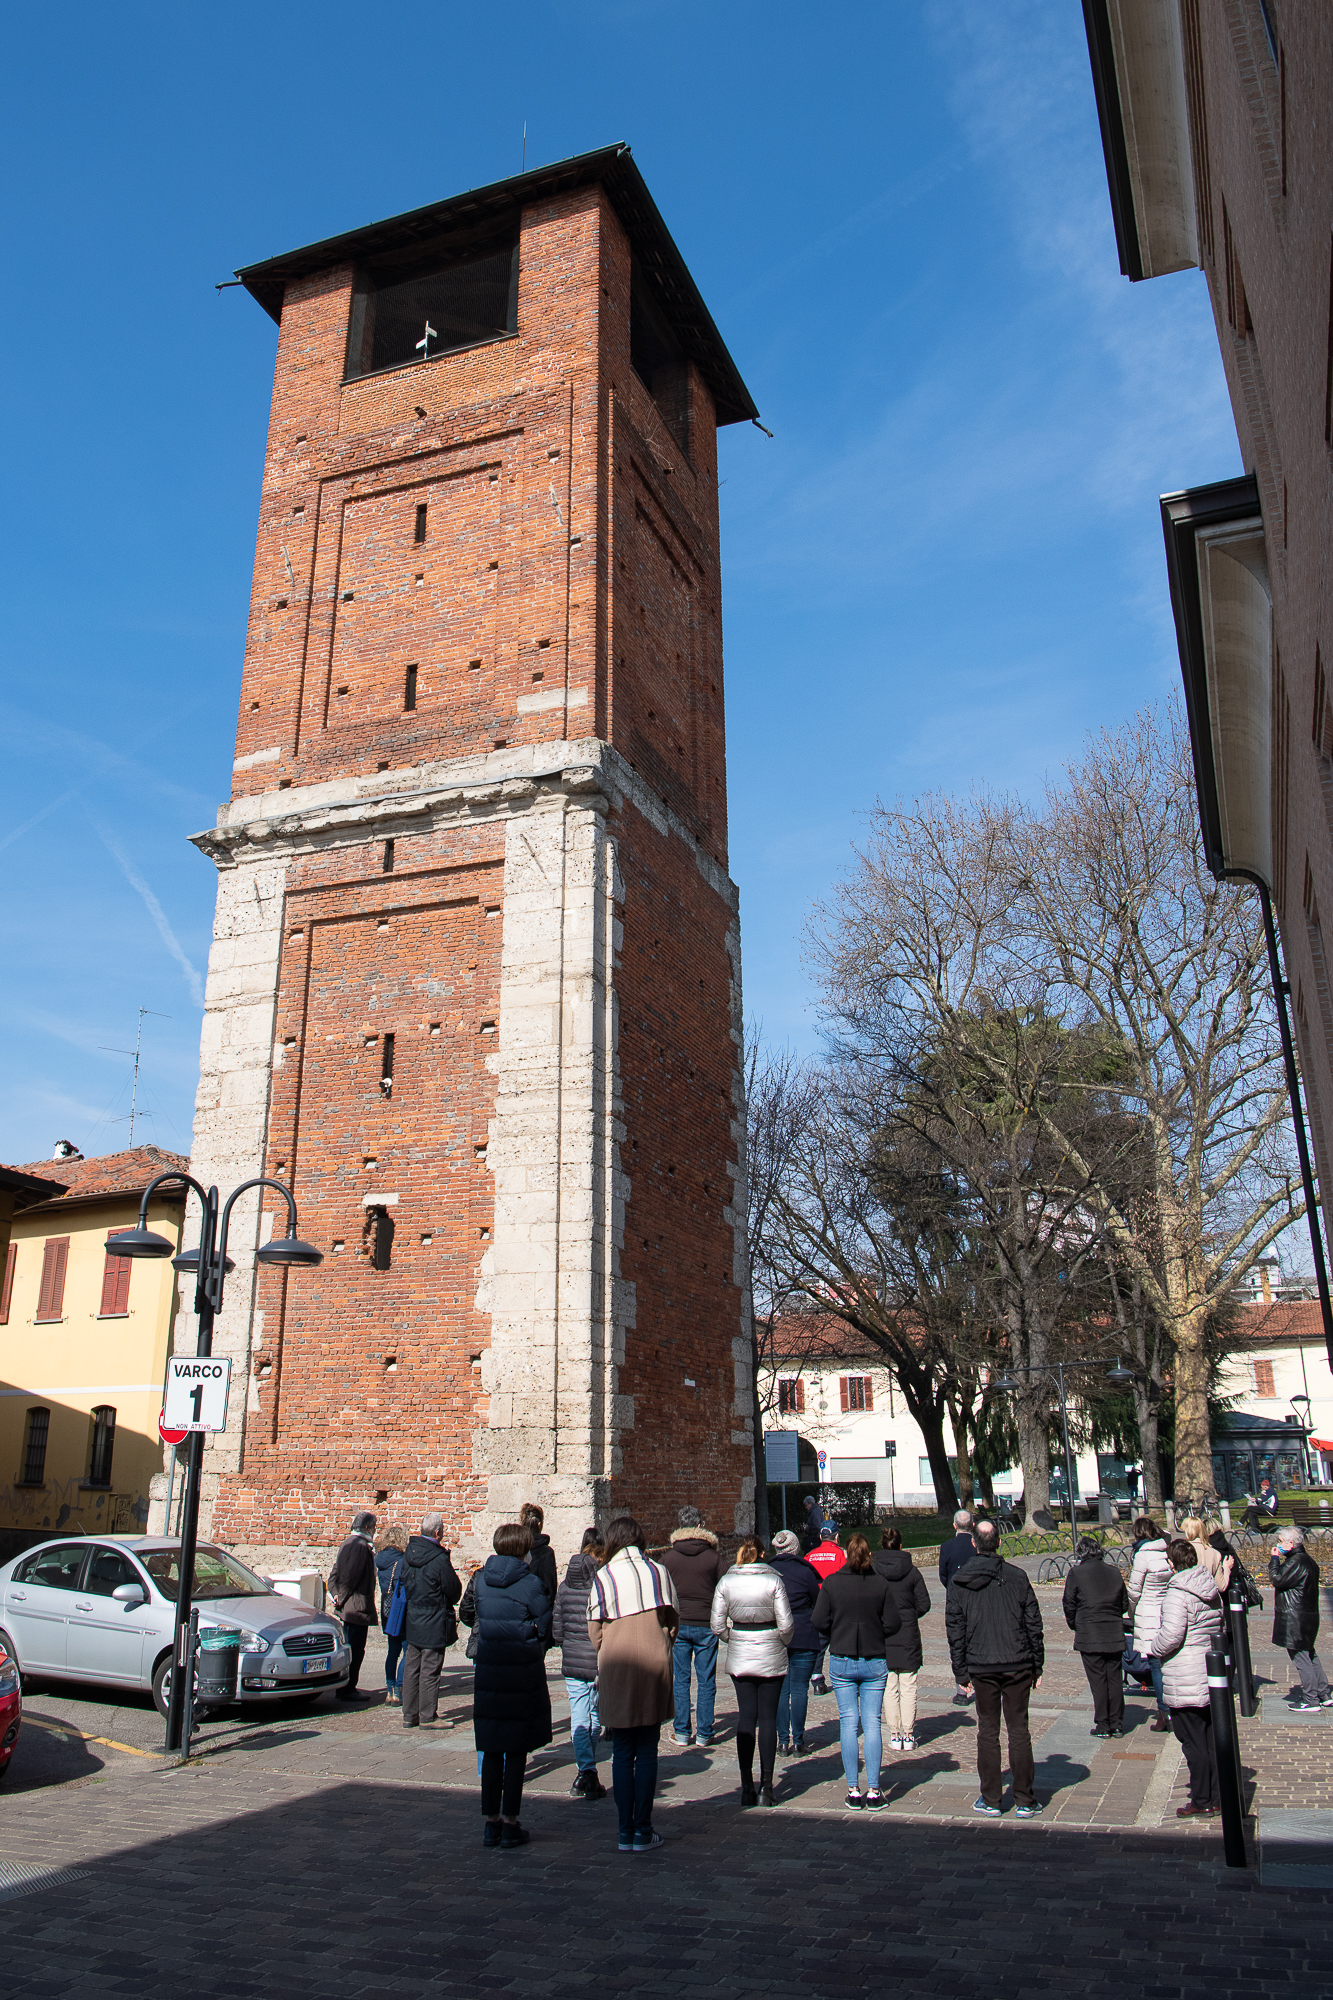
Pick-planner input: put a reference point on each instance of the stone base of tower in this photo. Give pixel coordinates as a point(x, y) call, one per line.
point(559, 1150)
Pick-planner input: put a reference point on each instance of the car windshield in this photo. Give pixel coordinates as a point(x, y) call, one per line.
point(216, 1574)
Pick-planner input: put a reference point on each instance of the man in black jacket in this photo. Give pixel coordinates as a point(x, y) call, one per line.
point(996, 1644)
point(960, 1550)
point(1095, 1604)
point(1294, 1576)
point(433, 1589)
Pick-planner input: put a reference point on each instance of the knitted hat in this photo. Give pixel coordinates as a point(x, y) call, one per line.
point(785, 1543)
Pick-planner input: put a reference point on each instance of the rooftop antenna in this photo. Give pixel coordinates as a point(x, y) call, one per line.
point(524, 167)
point(138, 1038)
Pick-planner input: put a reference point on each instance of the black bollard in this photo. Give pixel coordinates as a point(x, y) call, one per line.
point(1238, 1617)
point(1227, 1758)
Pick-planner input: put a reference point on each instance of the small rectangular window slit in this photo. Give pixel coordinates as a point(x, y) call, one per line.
point(386, 1067)
point(387, 867)
point(410, 689)
point(419, 532)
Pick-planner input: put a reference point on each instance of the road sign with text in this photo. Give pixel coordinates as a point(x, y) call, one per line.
point(197, 1393)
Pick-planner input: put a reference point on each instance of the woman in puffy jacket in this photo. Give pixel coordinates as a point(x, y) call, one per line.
point(511, 1704)
point(752, 1613)
point(1189, 1628)
point(1148, 1579)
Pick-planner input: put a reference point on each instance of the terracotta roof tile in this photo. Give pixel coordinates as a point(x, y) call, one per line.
point(107, 1173)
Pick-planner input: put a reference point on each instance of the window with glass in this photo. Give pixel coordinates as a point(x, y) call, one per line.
point(36, 1431)
point(56, 1567)
point(402, 315)
point(216, 1574)
point(102, 1446)
point(108, 1569)
point(791, 1396)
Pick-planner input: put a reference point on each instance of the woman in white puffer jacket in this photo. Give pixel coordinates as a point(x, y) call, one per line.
point(1148, 1579)
point(1190, 1627)
point(752, 1613)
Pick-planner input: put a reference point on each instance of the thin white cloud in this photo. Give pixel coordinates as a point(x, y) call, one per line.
point(154, 909)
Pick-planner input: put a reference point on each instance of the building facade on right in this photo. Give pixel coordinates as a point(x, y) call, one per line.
point(1215, 126)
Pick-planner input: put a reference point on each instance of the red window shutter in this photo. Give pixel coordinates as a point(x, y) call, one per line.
point(800, 1397)
point(116, 1280)
point(843, 1387)
point(1264, 1384)
point(7, 1292)
point(51, 1295)
point(870, 1393)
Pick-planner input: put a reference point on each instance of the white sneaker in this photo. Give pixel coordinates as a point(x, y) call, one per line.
point(909, 1743)
point(895, 1743)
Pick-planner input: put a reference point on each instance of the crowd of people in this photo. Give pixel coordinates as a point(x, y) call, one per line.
point(639, 1638)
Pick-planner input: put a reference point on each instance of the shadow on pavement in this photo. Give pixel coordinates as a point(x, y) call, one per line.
point(364, 1888)
point(49, 1752)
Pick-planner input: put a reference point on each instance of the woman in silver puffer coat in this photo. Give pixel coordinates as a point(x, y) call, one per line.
point(752, 1613)
point(1189, 1628)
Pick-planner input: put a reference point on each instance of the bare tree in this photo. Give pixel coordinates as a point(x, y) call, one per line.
point(1124, 919)
point(1084, 1012)
point(779, 1095)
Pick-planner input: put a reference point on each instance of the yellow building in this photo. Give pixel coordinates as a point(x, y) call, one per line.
point(84, 1340)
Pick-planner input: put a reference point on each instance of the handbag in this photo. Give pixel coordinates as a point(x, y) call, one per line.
point(397, 1618)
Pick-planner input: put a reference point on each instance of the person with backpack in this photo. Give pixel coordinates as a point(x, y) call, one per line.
point(578, 1663)
point(431, 1590)
point(389, 1548)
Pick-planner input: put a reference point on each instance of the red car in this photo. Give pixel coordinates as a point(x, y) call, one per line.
point(11, 1708)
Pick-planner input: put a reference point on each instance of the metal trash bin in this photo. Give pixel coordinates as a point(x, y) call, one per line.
point(219, 1660)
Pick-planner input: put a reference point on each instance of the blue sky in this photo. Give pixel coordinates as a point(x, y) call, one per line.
point(945, 568)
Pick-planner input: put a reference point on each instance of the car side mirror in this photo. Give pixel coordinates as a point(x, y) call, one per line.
point(130, 1593)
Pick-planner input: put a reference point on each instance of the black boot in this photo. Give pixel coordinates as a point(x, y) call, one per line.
point(749, 1796)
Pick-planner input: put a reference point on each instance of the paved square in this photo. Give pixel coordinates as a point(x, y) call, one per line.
point(336, 1854)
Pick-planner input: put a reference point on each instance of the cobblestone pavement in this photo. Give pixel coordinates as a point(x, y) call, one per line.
point(337, 1854)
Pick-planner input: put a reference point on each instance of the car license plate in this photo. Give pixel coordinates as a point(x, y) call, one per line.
point(314, 1666)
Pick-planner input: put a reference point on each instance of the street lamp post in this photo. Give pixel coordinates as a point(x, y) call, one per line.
point(1120, 1375)
point(1303, 1419)
point(210, 1265)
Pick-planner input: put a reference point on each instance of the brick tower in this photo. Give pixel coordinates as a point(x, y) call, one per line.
point(474, 988)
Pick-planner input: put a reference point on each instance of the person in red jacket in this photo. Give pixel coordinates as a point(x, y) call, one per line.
point(828, 1559)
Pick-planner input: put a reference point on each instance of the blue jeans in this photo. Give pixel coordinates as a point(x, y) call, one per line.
point(584, 1726)
point(859, 1686)
point(698, 1644)
point(794, 1700)
point(634, 1779)
point(393, 1665)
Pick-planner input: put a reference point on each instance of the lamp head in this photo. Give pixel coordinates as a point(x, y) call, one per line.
point(288, 1250)
point(1005, 1382)
point(1120, 1375)
point(139, 1243)
point(189, 1261)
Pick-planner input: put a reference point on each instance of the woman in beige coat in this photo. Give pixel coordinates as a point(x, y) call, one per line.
point(751, 1611)
point(633, 1617)
point(1218, 1566)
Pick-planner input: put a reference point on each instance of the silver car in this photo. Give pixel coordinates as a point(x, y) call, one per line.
point(85, 1609)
